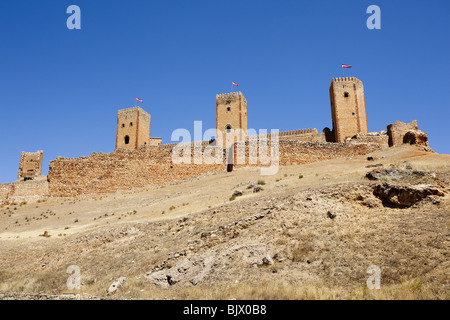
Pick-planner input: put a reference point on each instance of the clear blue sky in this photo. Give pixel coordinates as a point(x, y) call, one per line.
point(60, 89)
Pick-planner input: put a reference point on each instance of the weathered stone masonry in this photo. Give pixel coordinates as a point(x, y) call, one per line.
point(20, 191)
point(126, 169)
point(119, 170)
point(140, 160)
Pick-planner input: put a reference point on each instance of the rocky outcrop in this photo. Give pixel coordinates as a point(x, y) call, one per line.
point(396, 174)
point(404, 196)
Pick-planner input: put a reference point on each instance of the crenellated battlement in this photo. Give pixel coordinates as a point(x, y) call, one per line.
point(194, 143)
point(229, 96)
point(281, 134)
point(133, 109)
point(288, 133)
point(346, 79)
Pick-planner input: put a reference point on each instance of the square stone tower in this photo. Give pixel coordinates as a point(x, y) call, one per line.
point(133, 128)
point(231, 115)
point(348, 108)
point(30, 165)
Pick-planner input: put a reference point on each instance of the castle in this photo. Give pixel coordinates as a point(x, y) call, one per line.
point(140, 160)
point(133, 129)
point(348, 111)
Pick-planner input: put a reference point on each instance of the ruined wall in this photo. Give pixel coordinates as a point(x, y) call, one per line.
point(20, 191)
point(126, 169)
point(120, 170)
point(155, 141)
point(292, 152)
point(311, 135)
point(306, 135)
point(5, 191)
point(30, 164)
point(379, 138)
point(397, 131)
point(416, 137)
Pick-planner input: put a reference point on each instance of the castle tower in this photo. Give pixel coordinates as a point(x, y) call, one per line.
point(348, 108)
point(30, 165)
point(231, 115)
point(133, 128)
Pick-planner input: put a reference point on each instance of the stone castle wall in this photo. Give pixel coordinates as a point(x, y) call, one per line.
point(306, 135)
point(155, 141)
point(5, 191)
point(20, 191)
point(119, 170)
point(293, 152)
point(126, 169)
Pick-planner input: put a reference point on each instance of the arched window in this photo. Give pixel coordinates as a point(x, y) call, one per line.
point(123, 125)
point(131, 124)
point(346, 94)
point(228, 128)
point(127, 140)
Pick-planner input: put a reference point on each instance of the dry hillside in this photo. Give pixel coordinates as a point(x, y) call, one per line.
point(308, 232)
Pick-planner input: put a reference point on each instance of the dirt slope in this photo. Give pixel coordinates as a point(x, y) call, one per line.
point(312, 232)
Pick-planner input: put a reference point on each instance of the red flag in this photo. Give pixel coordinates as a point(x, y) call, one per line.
point(235, 84)
point(137, 99)
point(346, 66)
